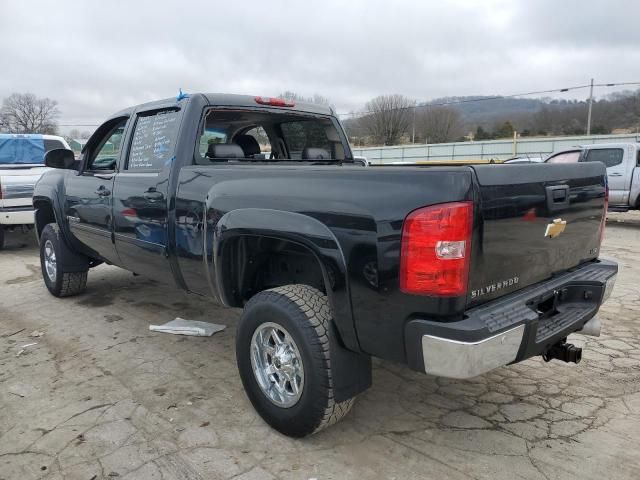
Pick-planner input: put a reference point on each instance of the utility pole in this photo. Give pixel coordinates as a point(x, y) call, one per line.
point(413, 128)
point(590, 105)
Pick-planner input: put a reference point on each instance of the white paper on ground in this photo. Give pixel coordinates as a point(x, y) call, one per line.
point(180, 326)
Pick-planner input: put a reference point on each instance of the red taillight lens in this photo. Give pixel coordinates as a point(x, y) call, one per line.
point(274, 102)
point(436, 246)
point(129, 212)
point(603, 222)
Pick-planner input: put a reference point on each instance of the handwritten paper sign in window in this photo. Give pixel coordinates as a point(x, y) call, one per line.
point(154, 140)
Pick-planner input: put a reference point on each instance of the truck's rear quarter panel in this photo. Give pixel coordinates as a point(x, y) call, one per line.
point(365, 210)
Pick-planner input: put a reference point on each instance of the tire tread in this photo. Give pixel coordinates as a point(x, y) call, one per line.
point(314, 304)
point(71, 283)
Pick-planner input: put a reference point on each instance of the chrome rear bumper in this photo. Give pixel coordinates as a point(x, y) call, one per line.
point(512, 328)
point(450, 358)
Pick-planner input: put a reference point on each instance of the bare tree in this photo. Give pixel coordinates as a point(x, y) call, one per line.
point(26, 113)
point(438, 124)
point(388, 118)
point(296, 97)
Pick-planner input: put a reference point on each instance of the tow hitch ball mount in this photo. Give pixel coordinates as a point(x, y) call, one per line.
point(564, 351)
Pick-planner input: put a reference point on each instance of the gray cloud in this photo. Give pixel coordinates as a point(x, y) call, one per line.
point(95, 58)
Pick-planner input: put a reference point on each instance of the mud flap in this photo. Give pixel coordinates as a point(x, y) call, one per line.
point(350, 371)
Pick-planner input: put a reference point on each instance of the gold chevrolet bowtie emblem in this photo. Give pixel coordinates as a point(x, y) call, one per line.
point(555, 228)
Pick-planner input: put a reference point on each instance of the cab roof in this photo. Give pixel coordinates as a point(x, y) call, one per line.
point(231, 100)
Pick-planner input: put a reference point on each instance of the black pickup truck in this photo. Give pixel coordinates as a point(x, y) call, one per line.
point(257, 203)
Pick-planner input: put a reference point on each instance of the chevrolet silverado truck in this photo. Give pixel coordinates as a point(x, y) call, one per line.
point(21, 165)
point(623, 170)
point(451, 270)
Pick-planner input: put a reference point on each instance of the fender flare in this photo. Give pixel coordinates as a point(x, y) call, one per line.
point(47, 194)
point(73, 262)
point(305, 231)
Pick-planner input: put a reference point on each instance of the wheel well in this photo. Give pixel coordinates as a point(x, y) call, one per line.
point(44, 215)
point(252, 264)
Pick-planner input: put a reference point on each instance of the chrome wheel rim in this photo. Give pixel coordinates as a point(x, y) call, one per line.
point(50, 261)
point(277, 364)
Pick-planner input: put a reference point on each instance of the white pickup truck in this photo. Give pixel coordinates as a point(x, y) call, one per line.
point(623, 169)
point(21, 166)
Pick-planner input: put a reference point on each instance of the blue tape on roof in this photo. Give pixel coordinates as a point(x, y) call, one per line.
point(21, 149)
point(181, 95)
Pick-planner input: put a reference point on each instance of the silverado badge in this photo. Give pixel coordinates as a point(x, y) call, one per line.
point(555, 228)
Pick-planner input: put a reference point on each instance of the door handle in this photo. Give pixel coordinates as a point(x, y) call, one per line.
point(153, 195)
point(102, 191)
point(615, 174)
point(104, 176)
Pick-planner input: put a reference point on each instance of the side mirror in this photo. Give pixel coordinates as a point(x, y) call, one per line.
point(60, 158)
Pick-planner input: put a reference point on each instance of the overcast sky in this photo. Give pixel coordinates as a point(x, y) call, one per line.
point(95, 58)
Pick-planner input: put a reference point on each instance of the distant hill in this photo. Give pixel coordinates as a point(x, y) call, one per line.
point(453, 118)
point(485, 110)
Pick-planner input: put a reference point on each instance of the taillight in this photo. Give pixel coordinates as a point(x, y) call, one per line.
point(129, 212)
point(603, 221)
point(436, 247)
point(274, 102)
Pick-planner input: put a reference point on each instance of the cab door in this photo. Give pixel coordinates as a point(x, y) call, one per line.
point(89, 195)
point(618, 173)
point(141, 194)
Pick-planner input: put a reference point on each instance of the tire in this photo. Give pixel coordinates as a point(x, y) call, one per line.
point(2, 237)
point(53, 255)
point(303, 315)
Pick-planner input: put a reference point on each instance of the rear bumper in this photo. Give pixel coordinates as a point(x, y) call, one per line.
point(511, 328)
point(17, 215)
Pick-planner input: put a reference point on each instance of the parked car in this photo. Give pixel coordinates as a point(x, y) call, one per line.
point(359, 160)
point(21, 165)
point(525, 159)
point(451, 270)
point(623, 175)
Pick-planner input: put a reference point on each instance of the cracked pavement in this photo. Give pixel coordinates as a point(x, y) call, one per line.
point(101, 397)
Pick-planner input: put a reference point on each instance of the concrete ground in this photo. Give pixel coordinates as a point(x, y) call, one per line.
point(100, 396)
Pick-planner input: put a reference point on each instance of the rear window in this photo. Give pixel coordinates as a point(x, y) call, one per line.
point(259, 135)
point(304, 134)
point(609, 156)
point(566, 157)
point(21, 150)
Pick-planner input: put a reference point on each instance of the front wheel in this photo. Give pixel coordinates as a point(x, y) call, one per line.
point(1, 237)
point(53, 253)
point(283, 355)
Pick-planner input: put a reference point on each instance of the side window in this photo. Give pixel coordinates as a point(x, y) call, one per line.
point(52, 144)
point(565, 157)
point(304, 134)
point(609, 156)
point(104, 157)
point(154, 140)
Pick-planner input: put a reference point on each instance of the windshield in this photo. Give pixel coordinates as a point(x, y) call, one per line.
point(21, 150)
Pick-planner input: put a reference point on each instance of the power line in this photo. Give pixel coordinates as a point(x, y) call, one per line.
point(496, 97)
point(445, 103)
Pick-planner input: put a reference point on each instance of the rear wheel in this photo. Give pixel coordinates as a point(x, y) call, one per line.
point(53, 253)
point(1, 237)
point(283, 355)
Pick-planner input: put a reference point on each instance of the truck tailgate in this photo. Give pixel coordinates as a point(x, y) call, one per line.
point(535, 220)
